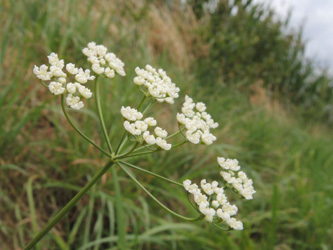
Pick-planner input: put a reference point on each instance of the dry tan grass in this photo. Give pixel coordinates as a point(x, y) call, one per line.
point(258, 97)
point(171, 32)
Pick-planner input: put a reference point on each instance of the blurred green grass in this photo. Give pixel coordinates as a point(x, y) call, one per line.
point(43, 163)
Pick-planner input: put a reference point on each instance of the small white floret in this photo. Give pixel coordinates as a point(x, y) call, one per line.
point(85, 92)
point(74, 102)
point(149, 139)
point(56, 88)
point(161, 132)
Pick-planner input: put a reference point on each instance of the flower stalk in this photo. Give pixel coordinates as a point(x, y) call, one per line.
point(100, 114)
point(155, 199)
point(78, 130)
point(69, 205)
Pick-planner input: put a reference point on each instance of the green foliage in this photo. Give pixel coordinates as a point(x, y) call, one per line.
point(43, 163)
point(249, 43)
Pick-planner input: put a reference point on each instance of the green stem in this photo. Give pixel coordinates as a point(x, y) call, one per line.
point(181, 130)
point(142, 101)
point(100, 114)
point(148, 152)
point(168, 137)
point(149, 104)
point(179, 144)
point(151, 173)
point(121, 227)
point(78, 130)
point(127, 153)
point(172, 135)
point(69, 205)
point(42, 82)
point(143, 147)
point(155, 199)
point(137, 154)
point(223, 229)
point(121, 143)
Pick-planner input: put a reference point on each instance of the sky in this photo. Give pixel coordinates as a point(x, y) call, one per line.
point(316, 16)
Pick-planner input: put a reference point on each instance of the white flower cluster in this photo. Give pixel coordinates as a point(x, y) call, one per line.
point(197, 122)
point(103, 62)
point(213, 203)
point(136, 126)
point(58, 78)
point(238, 179)
point(157, 84)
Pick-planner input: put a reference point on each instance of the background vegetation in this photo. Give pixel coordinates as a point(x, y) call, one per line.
point(273, 106)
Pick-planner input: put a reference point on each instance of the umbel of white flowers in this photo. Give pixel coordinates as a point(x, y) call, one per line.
point(211, 199)
point(140, 128)
point(237, 179)
point(156, 83)
point(58, 83)
point(103, 63)
point(197, 122)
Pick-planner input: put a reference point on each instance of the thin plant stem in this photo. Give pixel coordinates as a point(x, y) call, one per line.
point(42, 82)
point(190, 201)
point(155, 199)
point(69, 205)
point(148, 106)
point(78, 130)
point(127, 153)
point(151, 173)
point(181, 131)
point(137, 154)
point(100, 114)
point(141, 103)
point(172, 135)
point(121, 143)
point(148, 152)
point(140, 148)
point(179, 144)
point(121, 227)
point(223, 229)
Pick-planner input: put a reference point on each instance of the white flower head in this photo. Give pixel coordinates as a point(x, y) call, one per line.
point(54, 60)
point(187, 184)
point(163, 143)
point(42, 72)
point(237, 179)
point(58, 80)
point(70, 67)
point(157, 84)
point(71, 88)
point(227, 164)
point(85, 92)
point(196, 122)
point(131, 128)
point(137, 126)
point(103, 63)
point(74, 102)
point(83, 76)
point(235, 224)
point(213, 203)
point(131, 113)
point(56, 88)
point(151, 122)
point(141, 125)
point(149, 139)
point(161, 132)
